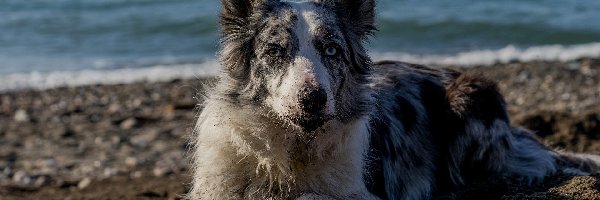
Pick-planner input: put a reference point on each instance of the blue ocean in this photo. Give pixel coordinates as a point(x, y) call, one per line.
point(49, 43)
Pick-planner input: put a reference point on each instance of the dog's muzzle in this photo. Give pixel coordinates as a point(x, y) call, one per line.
point(314, 102)
point(313, 107)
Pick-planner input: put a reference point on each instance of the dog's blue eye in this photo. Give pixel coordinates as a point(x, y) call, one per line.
point(331, 51)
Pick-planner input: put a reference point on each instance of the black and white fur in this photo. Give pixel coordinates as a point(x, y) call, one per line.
point(300, 112)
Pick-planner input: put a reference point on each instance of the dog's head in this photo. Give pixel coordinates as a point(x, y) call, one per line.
point(303, 62)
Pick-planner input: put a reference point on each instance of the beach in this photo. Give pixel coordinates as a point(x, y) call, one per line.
point(131, 141)
point(98, 99)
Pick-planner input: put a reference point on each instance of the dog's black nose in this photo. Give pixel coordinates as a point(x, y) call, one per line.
point(314, 102)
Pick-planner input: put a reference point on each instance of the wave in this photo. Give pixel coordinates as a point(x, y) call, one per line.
point(504, 55)
point(45, 80)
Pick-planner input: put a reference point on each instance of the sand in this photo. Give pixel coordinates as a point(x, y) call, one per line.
point(130, 141)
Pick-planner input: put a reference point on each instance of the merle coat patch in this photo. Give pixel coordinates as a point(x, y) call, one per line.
point(300, 112)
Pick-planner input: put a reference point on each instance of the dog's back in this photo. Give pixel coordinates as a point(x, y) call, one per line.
point(435, 129)
point(411, 111)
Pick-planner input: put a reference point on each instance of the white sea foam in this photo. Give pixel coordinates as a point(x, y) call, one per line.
point(504, 55)
point(45, 80)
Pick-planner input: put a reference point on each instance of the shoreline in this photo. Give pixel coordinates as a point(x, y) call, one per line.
point(78, 141)
point(207, 66)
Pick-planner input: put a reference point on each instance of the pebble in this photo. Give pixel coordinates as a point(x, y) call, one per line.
point(5, 104)
point(115, 140)
point(98, 164)
point(114, 108)
point(160, 146)
point(108, 172)
point(98, 141)
point(160, 172)
point(144, 139)
point(7, 171)
point(21, 116)
point(46, 163)
point(586, 70)
point(136, 103)
point(130, 161)
point(85, 182)
point(136, 174)
point(156, 96)
point(128, 123)
point(21, 177)
point(39, 181)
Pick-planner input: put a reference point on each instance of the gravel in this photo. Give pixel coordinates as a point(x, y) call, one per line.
point(130, 141)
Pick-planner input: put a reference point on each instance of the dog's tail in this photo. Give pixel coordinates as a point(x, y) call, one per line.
point(484, 142)
point(579, 163)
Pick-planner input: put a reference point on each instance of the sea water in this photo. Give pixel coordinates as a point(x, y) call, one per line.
point(50, 43)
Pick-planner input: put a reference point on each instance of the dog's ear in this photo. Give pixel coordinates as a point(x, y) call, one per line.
point(236, 34)
point(360, 14)
point(235, 13)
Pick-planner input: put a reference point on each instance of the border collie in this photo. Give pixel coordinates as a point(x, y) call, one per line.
point(301, 112)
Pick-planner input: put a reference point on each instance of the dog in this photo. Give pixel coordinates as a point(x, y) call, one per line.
point(301, 112)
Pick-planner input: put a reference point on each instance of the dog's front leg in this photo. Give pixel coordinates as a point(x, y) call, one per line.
point(218, 173)
point(217, 178)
